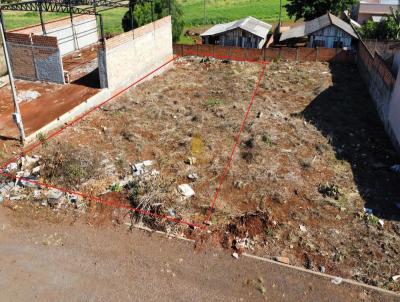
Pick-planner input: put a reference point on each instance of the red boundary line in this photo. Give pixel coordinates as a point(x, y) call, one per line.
point(102, 201)
point(118, 204)
point(229, 163)
point(79, 118)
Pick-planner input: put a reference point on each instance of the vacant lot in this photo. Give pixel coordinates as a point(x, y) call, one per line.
point(312, 156)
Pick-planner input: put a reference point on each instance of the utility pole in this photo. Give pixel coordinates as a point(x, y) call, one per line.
point(17, 113)
point(280, 15)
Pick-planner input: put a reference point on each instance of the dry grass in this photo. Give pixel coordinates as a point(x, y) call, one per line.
point(306, 158)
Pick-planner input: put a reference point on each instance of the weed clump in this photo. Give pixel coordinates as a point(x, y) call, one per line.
point(69, 165)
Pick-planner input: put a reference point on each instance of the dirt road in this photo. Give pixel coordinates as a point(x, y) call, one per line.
point(40, 261)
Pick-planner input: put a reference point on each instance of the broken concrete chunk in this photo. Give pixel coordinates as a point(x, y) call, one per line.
point(140, 168)
point(28, 182)
point(193, 176)
point(185, 190)
point(148, 163)
point(54, 194)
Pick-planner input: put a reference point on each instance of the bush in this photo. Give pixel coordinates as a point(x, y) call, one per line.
point(387, 29)
point(70, 166)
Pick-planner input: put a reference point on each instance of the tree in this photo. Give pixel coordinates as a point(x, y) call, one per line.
point(142, 15)
point(387, 29)
point(311, 9)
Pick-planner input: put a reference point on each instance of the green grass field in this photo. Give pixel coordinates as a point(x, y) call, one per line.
point(217, 11)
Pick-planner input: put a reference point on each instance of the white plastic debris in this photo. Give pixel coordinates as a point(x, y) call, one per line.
point(155, 173)
point(337, 280)
point(12, 167)
point(381, 222)
point(303, 228)
point(185, 190)
point(395, 168)
point(140, 168)
point(396, 278)
point(37, 194)
point(235, 255)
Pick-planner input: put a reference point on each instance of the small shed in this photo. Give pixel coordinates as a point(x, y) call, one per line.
point(326, 31)
point(247, 33)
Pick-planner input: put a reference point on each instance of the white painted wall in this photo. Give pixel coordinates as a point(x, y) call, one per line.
point(70, 38)
point(85, 34)
point(130, 56)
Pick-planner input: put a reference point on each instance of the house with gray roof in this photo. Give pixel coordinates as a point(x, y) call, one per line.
point(247, 33)
point(326, 31)
point(374, 10)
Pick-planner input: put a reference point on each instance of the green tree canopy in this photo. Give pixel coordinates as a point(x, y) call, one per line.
point(311, 9)
point(142, 15)
point(387, 29)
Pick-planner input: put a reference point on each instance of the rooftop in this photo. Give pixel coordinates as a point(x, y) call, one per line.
point(250, 24)
point(312, 26)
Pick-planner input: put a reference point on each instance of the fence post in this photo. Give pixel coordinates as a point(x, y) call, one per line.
point(297, 54)
point(197, 49)
point(317, 55)
point(265, 54)
point(213, 50)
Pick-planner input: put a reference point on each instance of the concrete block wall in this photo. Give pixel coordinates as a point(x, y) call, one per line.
point(133, 54)
point(35, 58)
point(394, 110)
point(70, 38)
point(3, 66)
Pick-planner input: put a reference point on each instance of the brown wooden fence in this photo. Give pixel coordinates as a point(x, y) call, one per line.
point(267, 54)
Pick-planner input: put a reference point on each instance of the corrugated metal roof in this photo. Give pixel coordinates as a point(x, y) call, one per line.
point(250, 24)
point(315, 25)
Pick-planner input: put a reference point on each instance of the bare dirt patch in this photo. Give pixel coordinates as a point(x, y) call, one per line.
point(312, 156)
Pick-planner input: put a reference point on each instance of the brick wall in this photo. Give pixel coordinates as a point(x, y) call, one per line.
point(268, 54)
point(381, 85)
point(70, 38)
point(35, 58)
point(131, 55)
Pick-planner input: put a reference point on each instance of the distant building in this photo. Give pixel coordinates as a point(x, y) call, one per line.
point(373, 10)
point(248, 33)
point(326, 31)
